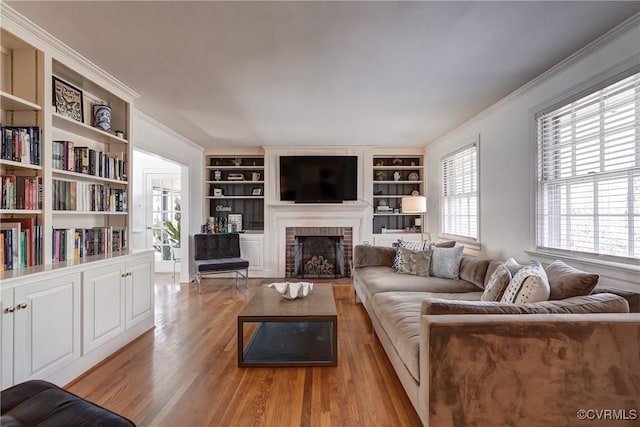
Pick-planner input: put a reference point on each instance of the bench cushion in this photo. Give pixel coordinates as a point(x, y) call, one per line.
point(221, 264)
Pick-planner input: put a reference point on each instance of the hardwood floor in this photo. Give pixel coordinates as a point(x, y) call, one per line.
point(184, 372)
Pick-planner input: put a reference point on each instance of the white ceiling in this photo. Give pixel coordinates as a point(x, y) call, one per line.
point(326, 73)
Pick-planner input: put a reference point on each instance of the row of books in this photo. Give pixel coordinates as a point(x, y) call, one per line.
point(20, 243)
point(20, 192)
point(89, 161)
point(78, 243)
point(21, 144)
point(88, 197)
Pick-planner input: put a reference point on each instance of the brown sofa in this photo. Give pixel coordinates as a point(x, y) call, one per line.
point(492, 367)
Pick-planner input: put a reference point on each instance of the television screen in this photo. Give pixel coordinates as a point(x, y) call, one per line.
point(318, 179)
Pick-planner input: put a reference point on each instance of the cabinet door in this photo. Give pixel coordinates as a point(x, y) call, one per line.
point(140, 292)
point(251, 250)
point(47, 326)
point(103, 305)
point(7, 338)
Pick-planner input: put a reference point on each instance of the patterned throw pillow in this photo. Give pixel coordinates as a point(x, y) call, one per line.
point(445, 262)
point(499, 280)
point(414, 246)
point(415, 262)
point(530, 284)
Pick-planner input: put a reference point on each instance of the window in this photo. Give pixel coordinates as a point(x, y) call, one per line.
point(589, 173)
point(460, 193)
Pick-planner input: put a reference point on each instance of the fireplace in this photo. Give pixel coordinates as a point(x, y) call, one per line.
point(318, 252)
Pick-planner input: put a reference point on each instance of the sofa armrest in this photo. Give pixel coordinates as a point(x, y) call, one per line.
point(370, 256)
point(527, 370)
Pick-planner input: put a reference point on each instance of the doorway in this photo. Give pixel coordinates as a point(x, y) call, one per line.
point(158, 217)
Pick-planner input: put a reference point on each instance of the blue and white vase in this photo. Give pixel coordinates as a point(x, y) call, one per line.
point(102, 116)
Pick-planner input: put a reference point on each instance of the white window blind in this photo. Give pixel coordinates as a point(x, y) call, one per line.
point(460, 193)
point(588, 192)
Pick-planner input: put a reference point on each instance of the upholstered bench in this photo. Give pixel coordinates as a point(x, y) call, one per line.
point(219, 253)
point(40, 403)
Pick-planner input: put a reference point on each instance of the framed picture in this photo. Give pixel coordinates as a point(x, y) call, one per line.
point(68, 100)
point(235, 220)
point(257, 191)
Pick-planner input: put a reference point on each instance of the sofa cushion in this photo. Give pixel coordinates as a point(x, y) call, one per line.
point(415, 262)
point(566, 281)
point(384, 279)
point(445, 262)
point(529, 284)
point(600, 303)
point(474, 270)
point(633, 298)
point(365, 256)
point(399, 316)
point(500, 279)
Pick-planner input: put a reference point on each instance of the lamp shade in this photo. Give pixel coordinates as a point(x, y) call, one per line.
point(414, 204)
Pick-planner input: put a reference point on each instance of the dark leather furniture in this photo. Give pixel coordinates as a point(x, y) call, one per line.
point(219, 253)
point(42, 404)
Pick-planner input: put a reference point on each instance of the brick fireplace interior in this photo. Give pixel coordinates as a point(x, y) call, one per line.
point(318, 252)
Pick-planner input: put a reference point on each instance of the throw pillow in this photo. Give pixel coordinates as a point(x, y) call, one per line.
point(566, 281)
point(445, 262)
point(414, 246)
point(530, 284)
point(499, 280)
point(415, 262)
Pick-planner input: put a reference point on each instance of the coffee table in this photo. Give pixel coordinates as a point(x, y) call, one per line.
point(300, 332)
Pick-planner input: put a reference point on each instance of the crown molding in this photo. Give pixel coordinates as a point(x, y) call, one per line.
point(27, 30)
point(609, 37)
point(153, 122)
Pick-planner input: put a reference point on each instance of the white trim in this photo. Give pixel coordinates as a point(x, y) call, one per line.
point(26, 29)
point(139, 114)
point(588, 50)
point(615, 274)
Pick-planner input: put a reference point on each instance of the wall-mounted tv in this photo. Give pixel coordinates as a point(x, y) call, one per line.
point(318, 179)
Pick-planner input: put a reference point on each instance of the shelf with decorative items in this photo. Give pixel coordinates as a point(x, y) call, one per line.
point(396, 177)
point(21, 137)
point(90, 155)
point(234, 188)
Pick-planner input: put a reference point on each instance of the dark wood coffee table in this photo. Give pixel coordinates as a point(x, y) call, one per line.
point(300, 332)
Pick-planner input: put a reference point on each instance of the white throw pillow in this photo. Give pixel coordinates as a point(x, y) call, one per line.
point(530, 284)
point(499, 280)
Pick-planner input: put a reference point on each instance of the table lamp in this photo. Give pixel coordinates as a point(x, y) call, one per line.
point(415, 205)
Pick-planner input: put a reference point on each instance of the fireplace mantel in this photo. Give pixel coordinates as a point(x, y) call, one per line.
point(284, 215)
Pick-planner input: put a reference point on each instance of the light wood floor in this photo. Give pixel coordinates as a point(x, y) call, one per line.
point(184, 372)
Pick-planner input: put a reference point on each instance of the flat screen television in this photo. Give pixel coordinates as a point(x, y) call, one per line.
point(318, 179)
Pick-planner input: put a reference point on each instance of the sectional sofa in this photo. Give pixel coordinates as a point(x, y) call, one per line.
point(466, 362)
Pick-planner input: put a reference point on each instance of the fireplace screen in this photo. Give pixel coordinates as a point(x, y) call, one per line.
point(317, 257)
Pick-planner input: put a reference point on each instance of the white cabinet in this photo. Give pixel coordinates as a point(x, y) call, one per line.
point(103, 291)
point(115, 298)
point(139, 281)
point(7, 319)
point(40, 328)
point(388, 239)
point(251, 249)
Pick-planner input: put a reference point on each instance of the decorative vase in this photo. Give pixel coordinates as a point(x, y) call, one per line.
point(102, 116)
point(217, 175)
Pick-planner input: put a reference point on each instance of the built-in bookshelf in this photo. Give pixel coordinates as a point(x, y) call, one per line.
point(21, 171)
point(63, 169)
point(395, 177)
point(235, 185)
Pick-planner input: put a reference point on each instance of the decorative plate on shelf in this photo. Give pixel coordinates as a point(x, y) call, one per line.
point(413, 176)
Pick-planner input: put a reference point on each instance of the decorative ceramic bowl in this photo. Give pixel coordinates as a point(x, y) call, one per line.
point(292, 290)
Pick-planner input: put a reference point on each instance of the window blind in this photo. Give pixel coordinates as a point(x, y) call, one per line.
point(460, 193)
point(588, 190)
